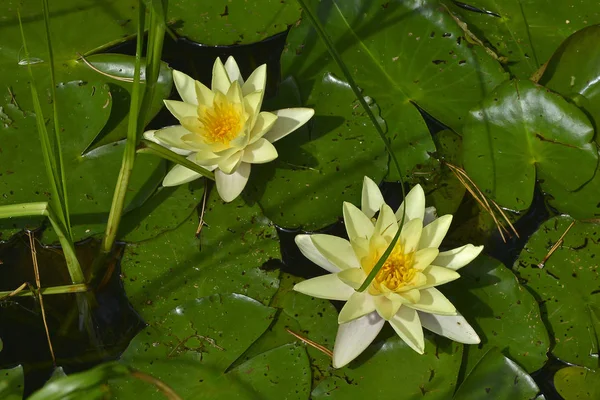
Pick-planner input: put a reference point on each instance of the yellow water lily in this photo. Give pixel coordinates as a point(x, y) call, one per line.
point(403, 291)
point(222, 128)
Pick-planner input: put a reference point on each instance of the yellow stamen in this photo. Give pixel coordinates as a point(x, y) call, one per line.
point(222, 123)
point(396, 272)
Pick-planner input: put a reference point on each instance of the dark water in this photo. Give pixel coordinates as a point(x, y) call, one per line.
point(113, 319)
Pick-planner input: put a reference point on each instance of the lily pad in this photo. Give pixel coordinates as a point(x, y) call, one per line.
point(192, 346)
point(502, 312)
point(177, 266)
point(229, 22)
point(522, 132)
point(497, 377)
point(12, 383)
point(566, 287)
point(320, 166)
point(526, 33)
point(390, 368)
point(577, 383)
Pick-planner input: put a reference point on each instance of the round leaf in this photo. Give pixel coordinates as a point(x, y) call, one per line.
point(566, 287)
point(12, 383)
point(521, 129)
point(577, 383)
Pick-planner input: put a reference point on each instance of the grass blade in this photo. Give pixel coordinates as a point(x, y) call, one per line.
point(149, 147)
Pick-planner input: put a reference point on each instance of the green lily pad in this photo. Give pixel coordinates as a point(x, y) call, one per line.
point(527, 32)
point(577, 383)
point(566, 287)
point(164, 211)
point(390, 369)
point(191, 348)
point(320, 166)
point(502, 312)
point(176, 266)
point(228, 22)
point(497, 377)
point(398, 52)
point(522, 132)
point(12, 383)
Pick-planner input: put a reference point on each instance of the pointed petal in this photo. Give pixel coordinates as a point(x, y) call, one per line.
point(387, 306)
point(415, 200)
point(337, 250)
point(228, 165)
point(372, 199)
point(424, 257)
point(151, 136)
point(359, 304)
point(306, 246)
point(171, 136)
point(264, 122)
point(220, 79)
point(407, 325)
point(178, 175)
point(386, 225)
point(459, 257)
point(234, 94)
point(357, 223)
point(430, 215)
point(252, 103)
point(288, 120)
point(186, 87)
point(260, 152)
point(411, 296)
point(360, 247)
point(433, 301)
point(204, 95)
point(434, 233)
point(438, 276)
point(328, 287)
point(233, 71)
point(354, 337)
point(256, 81)
point(353, 277)
point(454, 327)
point(205, 158)
point(180, 110)
point(230, 186)
point(411, 234)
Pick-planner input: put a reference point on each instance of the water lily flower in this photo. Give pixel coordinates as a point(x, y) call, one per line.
point(222, 128)
point(403, 292)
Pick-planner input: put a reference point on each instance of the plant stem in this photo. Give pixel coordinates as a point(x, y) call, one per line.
point(149, 147)
point(76, 288)
point(346, 71)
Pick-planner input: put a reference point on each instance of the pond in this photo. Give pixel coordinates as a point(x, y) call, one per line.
point(299, 199)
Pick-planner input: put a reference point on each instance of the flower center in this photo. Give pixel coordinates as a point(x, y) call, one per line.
point(396, 271)
point(221, 123)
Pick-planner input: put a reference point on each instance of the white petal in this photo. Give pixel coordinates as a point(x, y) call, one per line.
point(359, 304)
point(337, 250)
point(386, 306)
point(438, 276)
point(424, 257)
point(328, 287)
point(230, 186)
point(459, 257)
point(186, 87)
point(415, 200)
point(411, 234)
point(433, 301)
point(180, 110)
point(434, 233)
point(233, 71)
point(407, 325)
point(354, 337)
point(178, 175)
point(228, 165)
point(454, 327)
point(386, 225)
point(204, 95)
point(252, 103)
point(264, 122)
point(309, 250)
point(220, 79)
point(372, 199)
point(259, 152)
point(151, 136)
point(288, 120)
point(256, 81)
point(353, 277)
point(357, 223)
